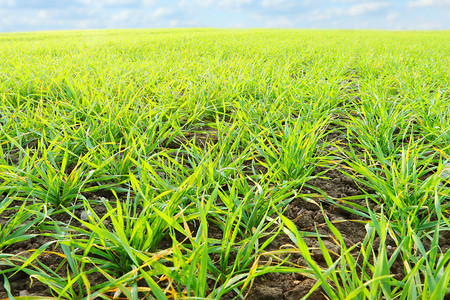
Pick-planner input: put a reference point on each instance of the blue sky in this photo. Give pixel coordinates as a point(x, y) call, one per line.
point(32, 15)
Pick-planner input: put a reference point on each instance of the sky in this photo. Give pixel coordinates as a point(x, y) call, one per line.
point(40, 15)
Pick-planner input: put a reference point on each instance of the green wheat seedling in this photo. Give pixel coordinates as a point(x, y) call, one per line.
point(364, 272)
point(167, 164)
point(405, 183)
point(294, 152)
point(251, 203)
point(45, 179)
point(15, 229)
point(381, 126)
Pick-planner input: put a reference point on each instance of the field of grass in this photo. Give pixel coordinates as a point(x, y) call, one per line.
point(225, 164)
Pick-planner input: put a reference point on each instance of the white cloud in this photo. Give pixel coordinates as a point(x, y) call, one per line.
point(393, 16)
point(283, 6)
point(427, 26)
point(356, 10)
point(281, 22)
point(121, 16)
point(345, 1)
point(270, 3)
point(425, 3)
point(228, 4)
point(233, 3)
point(23, 15)
point(7, 2)
point(117, 2)
point(123, 3)
point(362, 9)
point(163, 12)
point(238, 25)
point(148, 3)
point(254, 7)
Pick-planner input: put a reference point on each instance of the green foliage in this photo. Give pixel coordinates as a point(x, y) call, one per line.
point(163, 164)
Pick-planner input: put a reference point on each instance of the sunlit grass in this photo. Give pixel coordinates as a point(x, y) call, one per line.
point(162, 164)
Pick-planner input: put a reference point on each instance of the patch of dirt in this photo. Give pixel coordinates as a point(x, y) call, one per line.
point(20, 284)
point(201, 137)
point(284, 286)
point(254, 166)
point(297, 75)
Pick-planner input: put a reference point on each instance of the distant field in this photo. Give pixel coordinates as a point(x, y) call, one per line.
point(225, 164)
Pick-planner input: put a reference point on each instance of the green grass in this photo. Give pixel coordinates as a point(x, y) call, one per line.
point(186, 149)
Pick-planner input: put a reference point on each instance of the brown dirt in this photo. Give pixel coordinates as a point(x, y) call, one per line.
point(284, 286)
point(200, 136)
